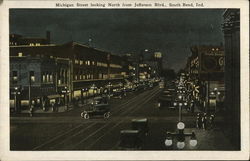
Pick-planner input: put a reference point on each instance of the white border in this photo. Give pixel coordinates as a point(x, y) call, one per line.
point(123, 155)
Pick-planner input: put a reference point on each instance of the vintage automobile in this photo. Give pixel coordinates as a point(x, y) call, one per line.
point(130, 140)
point(99, 100)
point(166, 99)
point(141, 125)
point(119, 93)
point(99, 107)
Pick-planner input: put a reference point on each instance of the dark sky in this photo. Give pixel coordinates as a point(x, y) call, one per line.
point(171, 31)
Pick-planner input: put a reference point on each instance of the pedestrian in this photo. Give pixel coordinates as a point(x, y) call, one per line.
point(211, 121)
point(199, 121)
point(31, 111)
point(204, 121)
point(53, 106)
point(192, 107)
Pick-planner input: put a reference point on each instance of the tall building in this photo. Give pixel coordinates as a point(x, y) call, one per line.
point(231, 29)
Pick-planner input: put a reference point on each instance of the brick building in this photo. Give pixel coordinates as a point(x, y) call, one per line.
point(62, 72)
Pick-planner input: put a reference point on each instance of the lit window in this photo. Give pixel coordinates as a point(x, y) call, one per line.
point(20, 54)
point(51, 78)
point(47, 77)
point(44, 78)
point(32, 76)
point(14, 75)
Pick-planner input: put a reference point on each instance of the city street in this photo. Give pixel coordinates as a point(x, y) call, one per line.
point(68, 131)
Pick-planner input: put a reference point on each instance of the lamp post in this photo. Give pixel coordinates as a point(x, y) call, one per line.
point(65, 91)
point(180, 136)
point(16, 104)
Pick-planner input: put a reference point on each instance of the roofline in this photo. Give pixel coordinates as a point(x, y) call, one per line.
point(32, 46)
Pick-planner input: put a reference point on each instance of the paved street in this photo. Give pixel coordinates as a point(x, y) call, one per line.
point(68, 131)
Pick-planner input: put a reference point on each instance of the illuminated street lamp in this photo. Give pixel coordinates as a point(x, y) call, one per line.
point(16, 93)
point(180, 137)
point(65, 91)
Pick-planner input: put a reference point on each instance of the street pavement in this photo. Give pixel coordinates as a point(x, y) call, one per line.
point(68, 131)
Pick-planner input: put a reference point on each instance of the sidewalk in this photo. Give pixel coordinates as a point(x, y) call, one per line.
point(213, 139)
point(60, 108)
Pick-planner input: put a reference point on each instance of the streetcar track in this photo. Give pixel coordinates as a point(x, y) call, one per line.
point(124, 105)
point(155, 93)
point(124, 112)
point(78, 133)
point(106, 125)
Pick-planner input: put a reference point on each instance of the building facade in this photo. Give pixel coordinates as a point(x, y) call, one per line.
point(61, 73)
point(231, 29)
point(206, 76)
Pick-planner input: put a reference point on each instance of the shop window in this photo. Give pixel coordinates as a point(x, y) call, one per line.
point(20, 54)
point(32, 76)
point(43, 77)
point(51, 78)
point(14, 75)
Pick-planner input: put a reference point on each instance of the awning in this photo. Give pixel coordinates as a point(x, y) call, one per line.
point(53, 96)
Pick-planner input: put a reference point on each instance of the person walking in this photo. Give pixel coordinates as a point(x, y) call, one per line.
point(53, 106)
point(204, 121)
point(192, 106)
point(211, 122)
point(199, 121)
point(31, 111)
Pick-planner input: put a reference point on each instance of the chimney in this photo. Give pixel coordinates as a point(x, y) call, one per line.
point(48, 36)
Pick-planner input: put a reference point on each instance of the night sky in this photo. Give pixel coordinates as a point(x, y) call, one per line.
point(171, 31)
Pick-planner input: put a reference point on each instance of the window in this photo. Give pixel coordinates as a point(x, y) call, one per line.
point(20, 54)
point(43, 77)
point(14, 75)
point(47, 77)
point(32, 76)
point(51, 77)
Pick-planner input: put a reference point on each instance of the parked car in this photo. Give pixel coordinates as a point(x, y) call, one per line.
point(130, 140)
point(118, 93)
point(141, 125)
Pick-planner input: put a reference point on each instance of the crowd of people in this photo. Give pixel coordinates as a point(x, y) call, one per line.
point(205, 121)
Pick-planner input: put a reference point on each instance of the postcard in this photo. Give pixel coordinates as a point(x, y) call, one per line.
point(124, 80)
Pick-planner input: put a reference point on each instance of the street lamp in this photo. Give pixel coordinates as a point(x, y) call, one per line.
point(16, 92)
point(180, 136)
point(65, 91)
